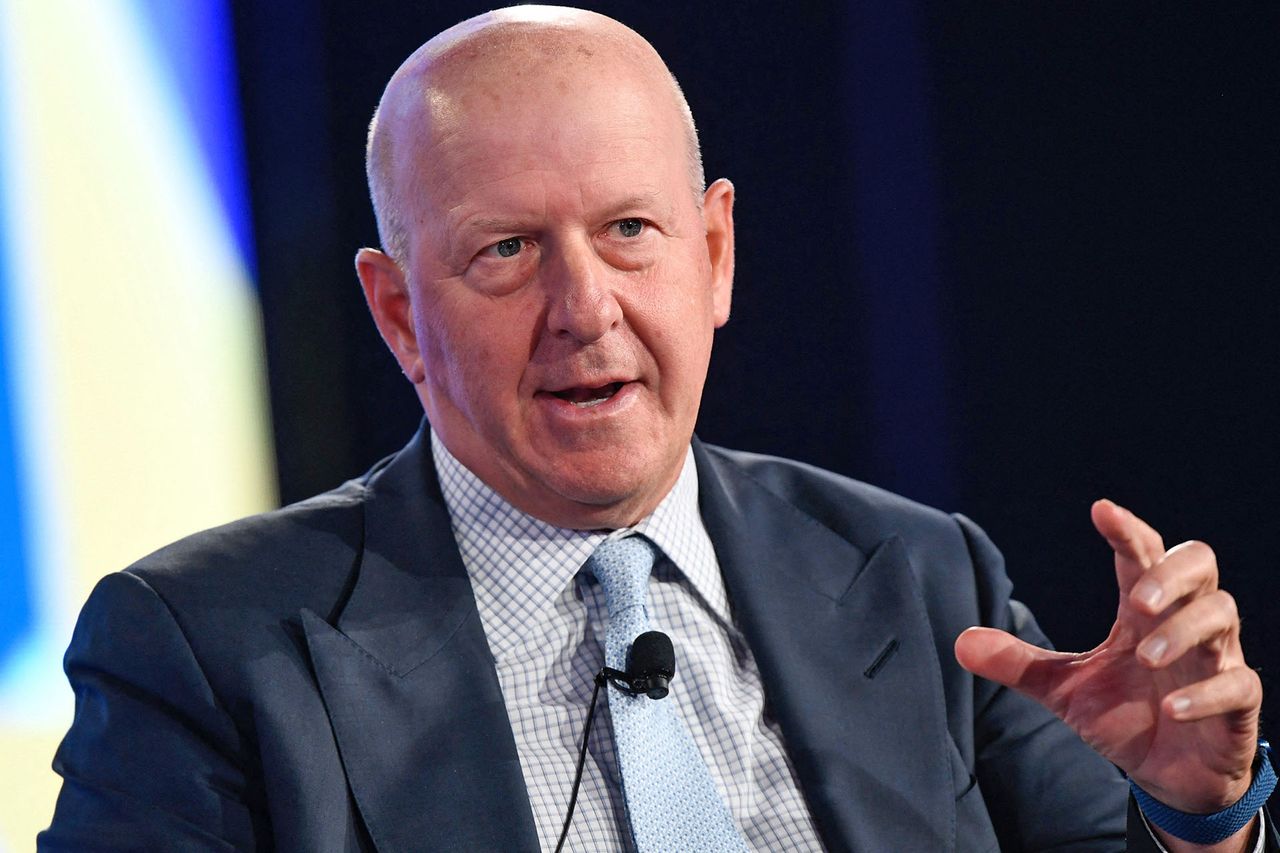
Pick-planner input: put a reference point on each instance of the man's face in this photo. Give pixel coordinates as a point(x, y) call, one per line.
point(563, 289)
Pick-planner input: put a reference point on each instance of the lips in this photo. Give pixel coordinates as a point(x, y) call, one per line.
point(585, 397)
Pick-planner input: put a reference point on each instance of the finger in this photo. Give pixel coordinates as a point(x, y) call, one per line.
point(1003, 658)
point(1128, 535)
point(1209, 617)
point(1137, 545)
point(1187, 568)
point(1232, 690)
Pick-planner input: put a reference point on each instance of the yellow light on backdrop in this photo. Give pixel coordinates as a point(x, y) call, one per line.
point(135, 336)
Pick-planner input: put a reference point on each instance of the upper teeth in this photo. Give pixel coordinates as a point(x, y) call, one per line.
point(582, 396)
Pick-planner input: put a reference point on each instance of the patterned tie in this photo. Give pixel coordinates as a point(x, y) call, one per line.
point(672, 803)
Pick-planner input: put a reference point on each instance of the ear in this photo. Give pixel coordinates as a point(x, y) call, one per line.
point(387, 292)
point(717, 213)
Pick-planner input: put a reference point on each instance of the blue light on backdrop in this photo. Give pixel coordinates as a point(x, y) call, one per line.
point(132, 390)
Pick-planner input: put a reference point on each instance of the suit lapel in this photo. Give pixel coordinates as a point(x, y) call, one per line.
point(410, 686)
point(840, 636)
point(848, 663)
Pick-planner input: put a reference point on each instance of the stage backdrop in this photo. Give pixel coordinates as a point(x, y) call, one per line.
point(1003, 258)
point(132, 396)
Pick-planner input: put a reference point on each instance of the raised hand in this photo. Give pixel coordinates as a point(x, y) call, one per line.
point(1167, 696)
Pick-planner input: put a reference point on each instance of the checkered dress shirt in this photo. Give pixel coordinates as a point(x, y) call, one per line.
point(545, 620)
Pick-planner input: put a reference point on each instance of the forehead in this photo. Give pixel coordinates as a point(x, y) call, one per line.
point(590, 116)
point(586, 131)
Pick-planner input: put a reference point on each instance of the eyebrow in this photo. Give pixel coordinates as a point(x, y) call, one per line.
point(650, 200)
point(498, 226)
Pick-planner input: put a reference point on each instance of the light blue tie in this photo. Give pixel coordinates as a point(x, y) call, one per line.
point(672, 803)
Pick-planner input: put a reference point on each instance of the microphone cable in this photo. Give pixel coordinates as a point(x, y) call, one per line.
point(582, 760)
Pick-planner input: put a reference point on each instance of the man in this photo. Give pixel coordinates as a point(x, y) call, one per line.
point(404, 663)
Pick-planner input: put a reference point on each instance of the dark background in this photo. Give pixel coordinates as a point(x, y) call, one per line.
point(1004, 258)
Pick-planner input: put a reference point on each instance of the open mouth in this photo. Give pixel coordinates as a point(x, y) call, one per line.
point(585, 398)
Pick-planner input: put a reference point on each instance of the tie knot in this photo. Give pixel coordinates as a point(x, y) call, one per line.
point(623, 567)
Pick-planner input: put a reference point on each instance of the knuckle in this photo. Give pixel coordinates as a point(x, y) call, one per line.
point(1193, 559)
point(1252, 686)
point(1200, 551)
point(1240, 683)
point(1226, 603)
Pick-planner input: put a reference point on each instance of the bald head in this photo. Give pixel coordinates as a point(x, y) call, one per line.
point(477, 60)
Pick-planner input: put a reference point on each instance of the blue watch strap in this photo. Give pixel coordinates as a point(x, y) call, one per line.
point(1212, 828)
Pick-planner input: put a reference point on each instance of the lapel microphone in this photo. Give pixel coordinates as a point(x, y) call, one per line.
point(651, 664)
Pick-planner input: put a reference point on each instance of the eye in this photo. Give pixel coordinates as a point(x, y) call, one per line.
point(509, 247)
point(630, 227)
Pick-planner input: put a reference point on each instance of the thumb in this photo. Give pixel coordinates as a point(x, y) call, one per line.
point(1003, 658)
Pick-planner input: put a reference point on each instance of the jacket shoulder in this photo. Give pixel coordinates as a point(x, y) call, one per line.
point(958, 571)
point(863, 514)
point(267, 559)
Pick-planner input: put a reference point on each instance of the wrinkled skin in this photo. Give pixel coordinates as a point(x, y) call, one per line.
point(1183, 724)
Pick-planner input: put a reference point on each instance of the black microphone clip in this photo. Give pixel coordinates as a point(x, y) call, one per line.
point(650, 667)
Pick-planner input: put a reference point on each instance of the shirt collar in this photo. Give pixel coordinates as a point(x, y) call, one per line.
point(519, 564)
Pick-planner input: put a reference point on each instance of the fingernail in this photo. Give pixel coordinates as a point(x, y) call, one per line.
point(1181, 705)
point(1148, 592)
point(1154, 648)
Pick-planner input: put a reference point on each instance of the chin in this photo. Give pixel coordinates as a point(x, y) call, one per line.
point(613, 492)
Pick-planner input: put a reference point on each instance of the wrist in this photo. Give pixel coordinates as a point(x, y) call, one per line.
point(1221, 825)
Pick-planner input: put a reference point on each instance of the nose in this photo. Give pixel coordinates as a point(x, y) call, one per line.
point(582, 303)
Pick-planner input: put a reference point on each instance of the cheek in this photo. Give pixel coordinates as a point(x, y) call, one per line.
point(675, 310)
point(474, 356)
point(445, 356)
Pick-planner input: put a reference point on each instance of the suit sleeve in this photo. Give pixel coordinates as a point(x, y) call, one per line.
point(1044, 788)
point(151, 760)
point(1042, 783)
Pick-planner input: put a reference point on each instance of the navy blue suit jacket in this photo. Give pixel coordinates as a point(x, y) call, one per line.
point(317, 679)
